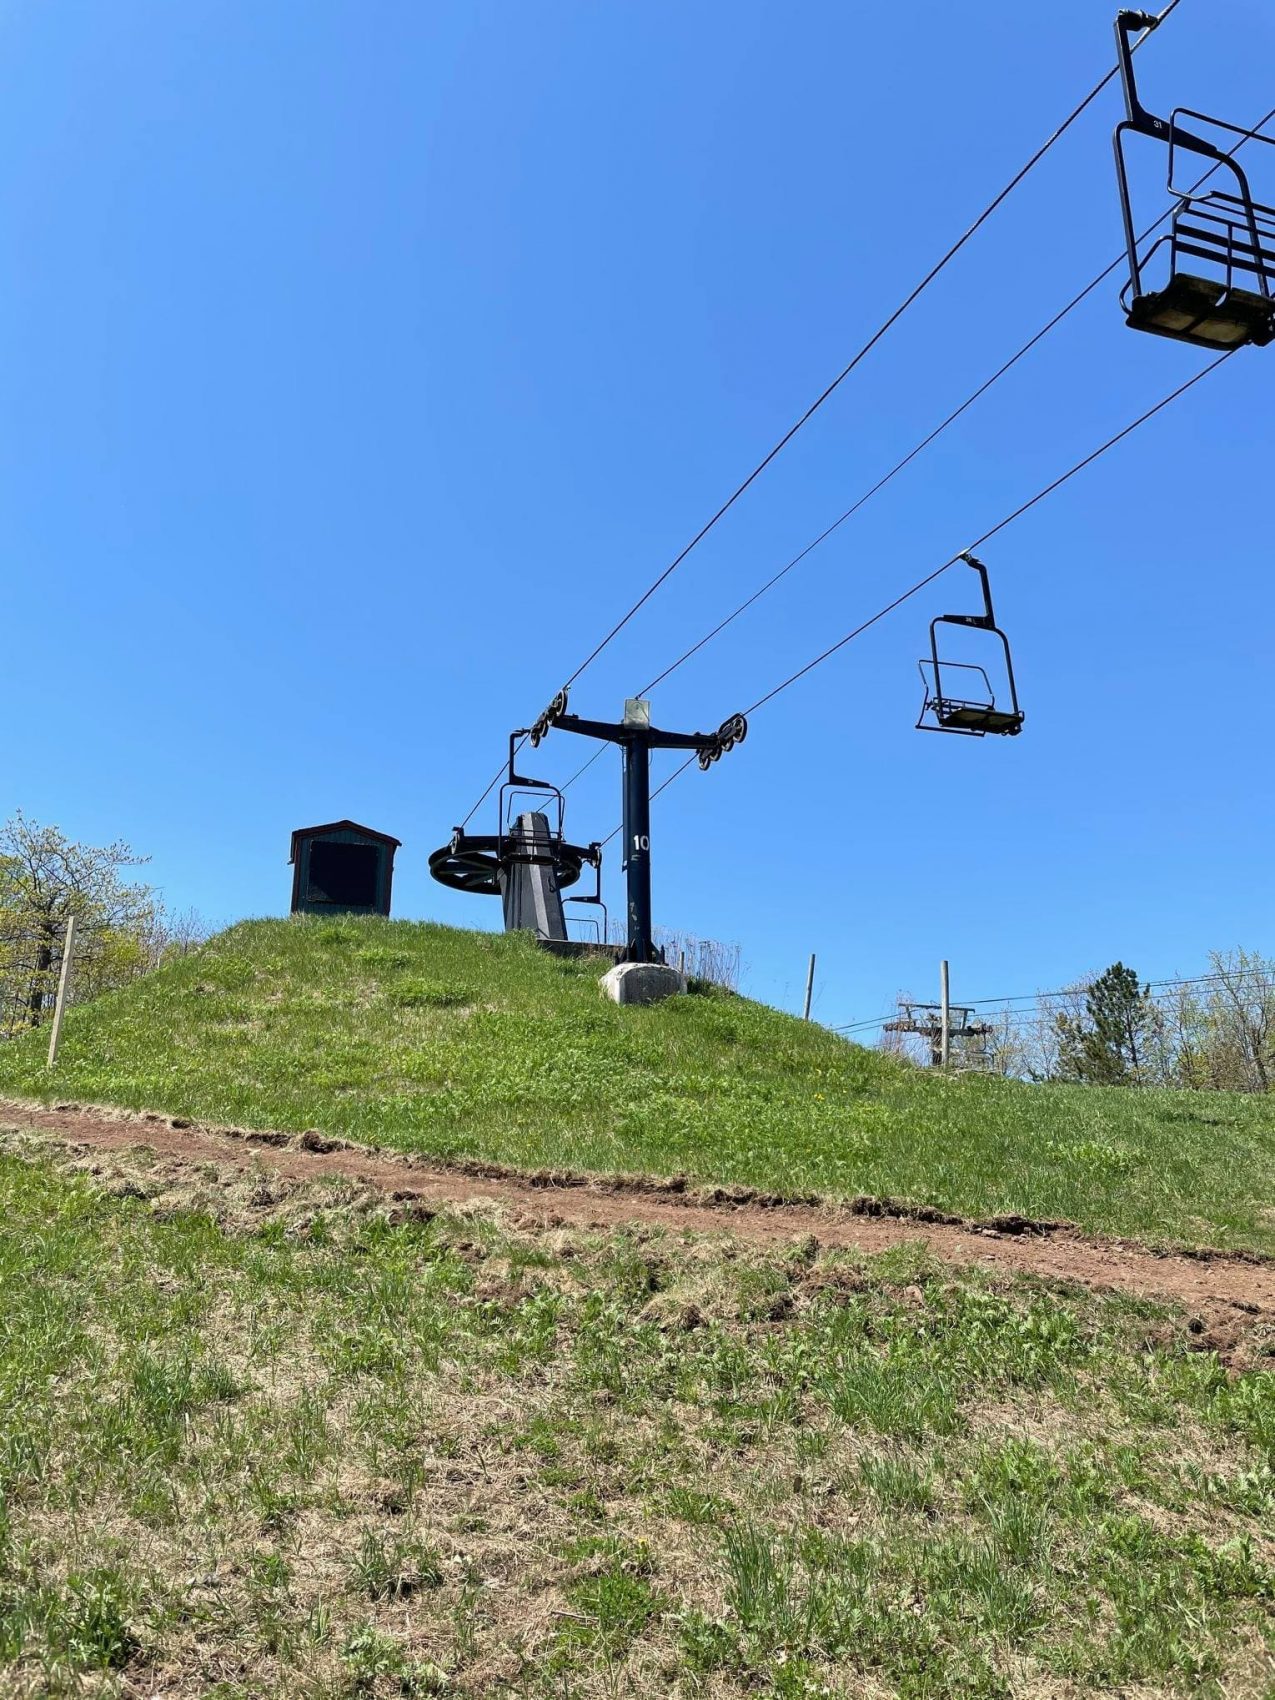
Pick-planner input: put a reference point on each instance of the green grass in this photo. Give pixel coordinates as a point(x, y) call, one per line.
point(314, 1454)
point(478, 1045)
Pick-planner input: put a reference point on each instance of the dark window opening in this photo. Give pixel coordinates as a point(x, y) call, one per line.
point(343, 874)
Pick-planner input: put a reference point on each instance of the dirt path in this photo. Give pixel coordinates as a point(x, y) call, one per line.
point(1235, 1282)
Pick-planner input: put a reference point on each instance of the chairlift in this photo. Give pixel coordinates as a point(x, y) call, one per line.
point(976, 714)
point(1215, 264)
point(600, 923)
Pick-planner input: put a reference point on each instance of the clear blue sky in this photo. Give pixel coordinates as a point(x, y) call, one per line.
point(359, 361)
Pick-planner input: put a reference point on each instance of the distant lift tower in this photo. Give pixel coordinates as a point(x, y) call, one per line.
point(966, 1037)
point(636, 738)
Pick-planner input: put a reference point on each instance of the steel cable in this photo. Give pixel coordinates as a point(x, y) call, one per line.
point(929, 578)
point(939, 429)
point(924, 444)
point(845, 372)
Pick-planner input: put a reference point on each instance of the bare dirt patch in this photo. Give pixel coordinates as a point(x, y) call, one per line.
point(1230, 1290)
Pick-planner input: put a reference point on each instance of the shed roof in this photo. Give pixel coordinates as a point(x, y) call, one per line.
point(341, 826)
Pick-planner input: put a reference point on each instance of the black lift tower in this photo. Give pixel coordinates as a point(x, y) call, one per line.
point(636, 738)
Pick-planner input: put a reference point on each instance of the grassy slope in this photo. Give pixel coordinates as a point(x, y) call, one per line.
point(459, 1043)
point(303, 1450)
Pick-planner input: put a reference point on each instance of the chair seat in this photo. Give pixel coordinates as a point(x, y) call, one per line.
point(976, 717)
point(1203, 311)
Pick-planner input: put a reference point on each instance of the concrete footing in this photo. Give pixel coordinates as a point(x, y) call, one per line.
point(641, 982)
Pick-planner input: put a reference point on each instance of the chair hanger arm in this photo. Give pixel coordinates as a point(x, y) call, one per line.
point(1130, 23)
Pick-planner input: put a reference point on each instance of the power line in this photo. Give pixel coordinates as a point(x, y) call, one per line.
point(845, 372)
point(921, 583)
point(1027, 997)
point(1001, 1005)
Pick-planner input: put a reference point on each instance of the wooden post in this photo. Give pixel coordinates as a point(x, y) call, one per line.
point(64, 980)
point(810, 986)
point(945, 1017)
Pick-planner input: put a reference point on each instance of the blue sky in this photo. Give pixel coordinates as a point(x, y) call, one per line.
point(361, 361)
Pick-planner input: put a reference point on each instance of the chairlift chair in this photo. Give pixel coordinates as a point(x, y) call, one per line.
point(1217, 259)
point(970, 716)
point(473, 862)
point(601, 923)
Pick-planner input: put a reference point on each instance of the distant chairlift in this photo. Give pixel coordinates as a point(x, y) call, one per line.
point(970, 715)
point(1206, 281)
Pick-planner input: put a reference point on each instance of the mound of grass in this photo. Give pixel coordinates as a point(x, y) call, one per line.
point(315, 1452)
point(478, 1045)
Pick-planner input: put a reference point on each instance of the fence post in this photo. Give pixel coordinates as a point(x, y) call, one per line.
point(64, 980)
point(810, 986)
point(945, 1017)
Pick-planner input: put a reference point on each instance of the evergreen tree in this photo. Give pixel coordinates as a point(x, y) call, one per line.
point(1109, 1044)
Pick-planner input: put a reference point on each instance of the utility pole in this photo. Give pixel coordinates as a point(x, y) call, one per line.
point(945, 1017)
point(810, 986)
point(637, 738)
point(64, 981)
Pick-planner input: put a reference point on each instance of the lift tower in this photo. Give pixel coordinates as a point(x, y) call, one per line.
point(636, 738)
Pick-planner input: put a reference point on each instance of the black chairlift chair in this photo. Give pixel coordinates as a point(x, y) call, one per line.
point(1216, 261)
point(971, 716)
point(600, 923)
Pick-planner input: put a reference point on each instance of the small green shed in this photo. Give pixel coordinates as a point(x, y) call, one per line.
point(342, 868)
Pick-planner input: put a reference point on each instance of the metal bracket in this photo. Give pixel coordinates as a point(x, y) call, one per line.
point(515, 778)
point(986, 621)
point(1138, 118)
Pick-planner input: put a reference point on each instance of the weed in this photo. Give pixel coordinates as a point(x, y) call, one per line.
point(616, 1605)
point(391, 1567)
point(899, 1483)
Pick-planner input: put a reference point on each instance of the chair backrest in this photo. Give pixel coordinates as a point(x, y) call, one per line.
point(1217, 229)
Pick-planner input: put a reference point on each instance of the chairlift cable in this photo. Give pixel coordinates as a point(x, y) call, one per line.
point(845, 372)
point(920, 447)
point(939, 429)
point(1000, 526)
point(867, 347)
point(929, 578)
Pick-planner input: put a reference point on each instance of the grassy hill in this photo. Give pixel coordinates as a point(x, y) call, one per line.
point(472, 1044)
point(260, 1441)
point(270, 1437)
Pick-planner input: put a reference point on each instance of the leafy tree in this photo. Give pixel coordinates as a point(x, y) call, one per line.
point(44, 880)
point(1225, 1024)
point(1113, 1041)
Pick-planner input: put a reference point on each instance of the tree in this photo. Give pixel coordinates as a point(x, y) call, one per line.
point(1113, 1042)
point(175, 934)
point(44, 880)
point(1239, 1039)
